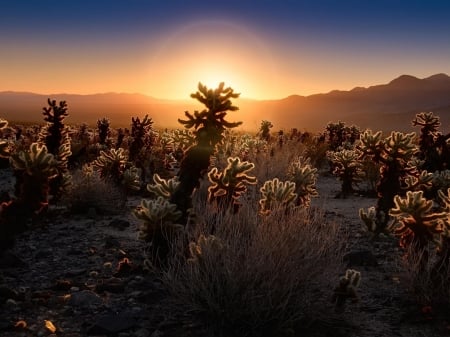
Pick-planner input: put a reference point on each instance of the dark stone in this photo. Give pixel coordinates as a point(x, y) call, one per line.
point(360, 258)
point(120, 224)
point(112, 285)
point(112, 324)
point(85, 299)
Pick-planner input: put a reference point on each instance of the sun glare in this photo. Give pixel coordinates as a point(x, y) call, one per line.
point(211, 52)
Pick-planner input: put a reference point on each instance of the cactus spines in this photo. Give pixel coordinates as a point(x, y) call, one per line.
point(346, 289)
point(304, 177)
point(209, 126)
point(111, 164)
point(159, 226)
point(393, 154)
point(348, 167)
point(163, 187)
point(202, 247)
point(227, 186)
point(415, 222)
point(4, 147)
point(369, 218)
point(276, 193)
point(36, 161)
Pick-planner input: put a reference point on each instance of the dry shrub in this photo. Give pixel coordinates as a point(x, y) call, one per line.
point(94, 193)
point(421, 276)
point(260, 276)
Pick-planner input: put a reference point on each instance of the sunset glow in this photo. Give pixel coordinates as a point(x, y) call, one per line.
point(268, 51)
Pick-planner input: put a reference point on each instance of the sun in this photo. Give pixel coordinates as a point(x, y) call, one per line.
point(212, 52)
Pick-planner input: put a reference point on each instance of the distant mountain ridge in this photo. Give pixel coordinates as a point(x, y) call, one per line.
point(386, 107)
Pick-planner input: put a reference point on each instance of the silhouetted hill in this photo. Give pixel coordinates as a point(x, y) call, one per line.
point(386, 107)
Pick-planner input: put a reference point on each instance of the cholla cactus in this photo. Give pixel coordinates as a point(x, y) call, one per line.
point(182, 139)
point(347, 289)
point(4, 147)
point(348, 167)
point(163, 187)
point(428, 151)
point(421, 181)
point(142, 137)
point(103, 130)
point(369, 218)
point(394, 155)
point(276, 193)
point(204, 246)
point(159, 225)
point(304, 177)
point(415, 222)
point(111, 164)
point(131, 179)
point(209, 125)
point(229, 185)
point(36, 162)
point(34, 170)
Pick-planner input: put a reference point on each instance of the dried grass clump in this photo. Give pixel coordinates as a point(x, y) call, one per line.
point(90, 192)
point(424, 278)
point(258, 276)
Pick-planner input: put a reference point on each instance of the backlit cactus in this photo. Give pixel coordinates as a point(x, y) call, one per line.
point(393, 154)
point(55, 136)
point(277, 194)
point(159, 226)
point(4, 147)
point(35, 162)
point(205, 245)
point(304, 176)
point(209, 126)
point(228, 186)
point(348, 167)
point(111, 164)
point(415, 221)
point(163, 187)
point(347, 289)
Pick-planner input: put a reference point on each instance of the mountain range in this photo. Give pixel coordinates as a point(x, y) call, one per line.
point(386, 107)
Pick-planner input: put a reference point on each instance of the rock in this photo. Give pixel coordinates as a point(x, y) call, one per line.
point(85, 299)
point(120, 224)
point(113, 285)
point(360, 258)
point(112, 324)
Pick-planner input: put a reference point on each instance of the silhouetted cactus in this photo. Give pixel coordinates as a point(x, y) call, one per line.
point(103, 130)
point(276, 194)
point(337, 134)
point(142, 138)
point(264, 130)
point(429, 132)
point(55, 136)
point(209, 126)
point(228, 186)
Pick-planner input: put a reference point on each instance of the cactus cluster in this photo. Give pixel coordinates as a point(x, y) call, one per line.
point(277, 194)
point(209, 126)
point(304, 177)
point(348, 167)
point(163, 187)
point(394, 155)
point(228, 186)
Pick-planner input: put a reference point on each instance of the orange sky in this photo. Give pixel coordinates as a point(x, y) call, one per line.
point(268, 51)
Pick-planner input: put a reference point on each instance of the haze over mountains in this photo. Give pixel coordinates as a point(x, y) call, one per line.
point(386, 107)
